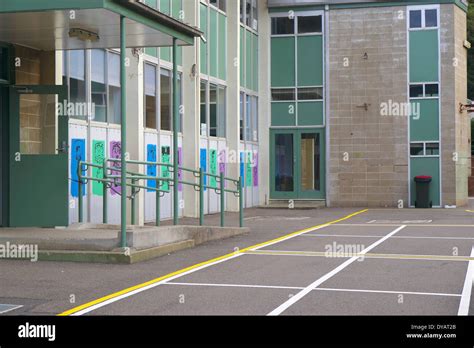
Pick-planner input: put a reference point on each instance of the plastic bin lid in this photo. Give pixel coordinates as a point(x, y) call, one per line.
point(423, 177)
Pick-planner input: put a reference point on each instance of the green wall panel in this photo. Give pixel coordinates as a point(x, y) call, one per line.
point(165, 7)
point(310, 113)
point(152, 51)
point(424, 55)
point(281, 115)
point(425, 166)
point(222, 47)
point(213, 42)
point(248, 56)
point(203, 27)
point(426, 127)
point(283, 61)
point(242, 57)
point(310, 60)
point(255, 62)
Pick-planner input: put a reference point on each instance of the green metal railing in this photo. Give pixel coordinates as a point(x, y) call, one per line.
point(134, 179)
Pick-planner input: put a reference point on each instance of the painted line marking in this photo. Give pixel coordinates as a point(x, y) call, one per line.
point(394, 237)
point(467, 289)
point(470, 211)
point(10, 308)
point(284, 306)
point(359, 255)
point(119, 295)
point(316, 289)
point(408, 225)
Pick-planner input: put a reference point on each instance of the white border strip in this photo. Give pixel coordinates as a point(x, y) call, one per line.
point(467, 289)
point(284, 306)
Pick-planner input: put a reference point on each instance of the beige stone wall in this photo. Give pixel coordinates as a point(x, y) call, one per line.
point(376, 173)
point(455, 126)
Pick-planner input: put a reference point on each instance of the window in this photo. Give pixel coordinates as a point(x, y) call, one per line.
point(425, 90)
point(311, 93)
point(415, 19)
point(425, 18)
point(150, 97)
point(283, 26)
point(98, 85)
point(424, 149)
point(4, 64)
point(248, 118)
point(220, 4)
point(77, 78)
point(431, 90)
point(113, 73)
point(165, 99)
point(310, 24)
point(283, 94)
point(203, 108)
point(217, 111)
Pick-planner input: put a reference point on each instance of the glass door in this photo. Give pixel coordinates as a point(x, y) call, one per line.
point(297, 164)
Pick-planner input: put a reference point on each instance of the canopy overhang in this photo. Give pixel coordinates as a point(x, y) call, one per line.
point(46, 25)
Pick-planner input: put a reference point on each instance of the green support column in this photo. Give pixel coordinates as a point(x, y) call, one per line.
point(175, 133)
point(123, 124)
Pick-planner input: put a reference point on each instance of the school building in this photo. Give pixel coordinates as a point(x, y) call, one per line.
point(321, 103)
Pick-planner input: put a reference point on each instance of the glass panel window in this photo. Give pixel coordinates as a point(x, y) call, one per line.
point(248, 12)
point(98, 85)
point(248, 117)
point(310, 24)
point(254, 15)
point(203, 108)
point(283, 94)
point(3, 63)
point(254, 135)
point(415, 19)
point(242, 113)
point(150, 96)
point(77, 78)
point(432, 149)
point(113, 73)
point(310, 162)
point(242, 13)
point(431, 90)
point(431, 18)
point(221, 112)
point(312, 93)
point(416, 91)
point(165, 99)
point(416, 149)
point(283, 26)
point(212, 110)
point(284, 167)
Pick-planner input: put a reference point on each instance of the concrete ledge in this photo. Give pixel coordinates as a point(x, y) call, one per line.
point(114, 257)
point(297, 204)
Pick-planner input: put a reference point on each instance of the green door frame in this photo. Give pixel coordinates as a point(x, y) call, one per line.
point(38, 183)
point(297, 192)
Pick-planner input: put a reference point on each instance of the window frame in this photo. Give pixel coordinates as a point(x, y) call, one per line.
point(424, 90)
point(424, 143)
point(423, 9)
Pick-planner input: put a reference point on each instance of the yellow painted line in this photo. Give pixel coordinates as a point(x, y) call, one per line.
point(223, 257)
point(470, 211)
point(368, 255)
point(407, 225)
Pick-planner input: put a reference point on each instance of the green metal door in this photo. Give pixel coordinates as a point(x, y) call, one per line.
point(38, 156)
point(297, 164)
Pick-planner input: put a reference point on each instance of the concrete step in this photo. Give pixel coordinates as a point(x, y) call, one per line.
point(302, 204)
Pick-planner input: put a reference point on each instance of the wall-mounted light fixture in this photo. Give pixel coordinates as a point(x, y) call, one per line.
point(83, 34)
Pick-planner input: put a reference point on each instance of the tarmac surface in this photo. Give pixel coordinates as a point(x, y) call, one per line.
point(293, 262)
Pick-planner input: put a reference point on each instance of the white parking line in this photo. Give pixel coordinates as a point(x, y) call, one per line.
point(394, 237)
point(467, 289)
point(316, 289)
point(284, 306)
point(9, 308)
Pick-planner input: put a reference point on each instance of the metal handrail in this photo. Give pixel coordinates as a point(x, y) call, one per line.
point(108, 180)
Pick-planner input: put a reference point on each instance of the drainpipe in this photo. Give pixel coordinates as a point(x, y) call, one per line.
point(175, 132)
point(123, 132)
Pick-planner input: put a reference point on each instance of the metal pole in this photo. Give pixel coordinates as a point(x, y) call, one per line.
point(175, 132)
point(158, 203)
point(123, 125)
point(80, 202)
point(132, 201)
point(201, 197)
point(222, 184)
point(241, 203)
point(104, 194)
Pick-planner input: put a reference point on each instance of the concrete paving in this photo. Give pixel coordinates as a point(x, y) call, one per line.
point(419, 270)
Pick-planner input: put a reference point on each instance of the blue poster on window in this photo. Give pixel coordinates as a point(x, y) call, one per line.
point(78, 153)
point(203, 161)
point(151, 169)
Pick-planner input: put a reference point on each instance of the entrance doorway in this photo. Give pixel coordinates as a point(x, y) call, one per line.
point(297, 164)
point(38, 157)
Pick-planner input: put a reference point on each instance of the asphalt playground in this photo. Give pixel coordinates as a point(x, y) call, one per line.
point(375, 262)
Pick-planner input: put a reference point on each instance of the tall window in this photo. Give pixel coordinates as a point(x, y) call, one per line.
point(248, 118)
point(99, 85)
point(425, 18)
point(249, 13)
point(203, 108)
point(113, 73)
point(75, 77)
point(217, 110)
point(150, 96)
point(165, 99)
point(220, 4)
